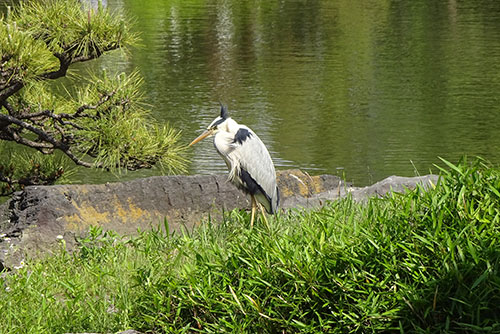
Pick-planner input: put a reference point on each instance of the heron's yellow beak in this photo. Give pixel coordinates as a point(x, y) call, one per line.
point(202, 136)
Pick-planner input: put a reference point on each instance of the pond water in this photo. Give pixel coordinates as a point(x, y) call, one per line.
point(362, 89)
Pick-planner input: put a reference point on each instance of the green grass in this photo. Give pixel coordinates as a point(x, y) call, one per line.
point(422, 262)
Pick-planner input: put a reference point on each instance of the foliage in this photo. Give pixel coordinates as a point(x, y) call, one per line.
point(420, 262)
point(106, 124)
point(73, 28)
point(31, 169)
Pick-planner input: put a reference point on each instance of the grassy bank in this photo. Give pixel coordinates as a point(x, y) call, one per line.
point(423, 262)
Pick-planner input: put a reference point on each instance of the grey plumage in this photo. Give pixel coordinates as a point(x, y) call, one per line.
point(251, 156)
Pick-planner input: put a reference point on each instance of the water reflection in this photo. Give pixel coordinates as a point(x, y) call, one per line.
point(366, 88)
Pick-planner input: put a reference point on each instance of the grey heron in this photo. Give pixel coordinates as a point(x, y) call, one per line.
point(250, 165)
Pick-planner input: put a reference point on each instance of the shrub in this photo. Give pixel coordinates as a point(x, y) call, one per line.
point(419, 262)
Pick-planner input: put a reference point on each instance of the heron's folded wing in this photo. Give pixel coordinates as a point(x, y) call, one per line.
point(255, 159)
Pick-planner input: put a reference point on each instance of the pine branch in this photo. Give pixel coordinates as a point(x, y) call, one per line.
point(105, 125)
point(10, 90)
point(65, 61)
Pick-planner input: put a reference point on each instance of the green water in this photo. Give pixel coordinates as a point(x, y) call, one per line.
point(365, 89)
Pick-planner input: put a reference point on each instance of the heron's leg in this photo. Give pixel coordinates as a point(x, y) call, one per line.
point(254, 206)
point(263, 211)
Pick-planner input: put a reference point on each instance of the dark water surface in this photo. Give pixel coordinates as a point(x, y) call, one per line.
point(364, 89)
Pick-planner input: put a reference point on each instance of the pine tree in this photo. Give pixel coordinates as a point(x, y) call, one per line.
point(104, 123)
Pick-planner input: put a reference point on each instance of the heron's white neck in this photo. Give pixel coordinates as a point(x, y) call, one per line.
point(230, 125)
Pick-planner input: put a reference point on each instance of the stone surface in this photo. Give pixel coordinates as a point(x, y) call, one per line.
point(38, 218)
point(393, 183)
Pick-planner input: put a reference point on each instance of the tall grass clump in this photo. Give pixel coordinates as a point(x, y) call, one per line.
point(426, 261)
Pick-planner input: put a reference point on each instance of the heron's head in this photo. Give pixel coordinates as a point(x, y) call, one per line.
point(216, 125)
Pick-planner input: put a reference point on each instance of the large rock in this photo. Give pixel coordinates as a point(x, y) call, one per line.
point(38, 218)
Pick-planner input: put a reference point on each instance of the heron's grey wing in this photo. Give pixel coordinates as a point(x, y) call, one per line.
point(255, 159)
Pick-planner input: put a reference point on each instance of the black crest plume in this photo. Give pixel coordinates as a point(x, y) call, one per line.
point(223, 111)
